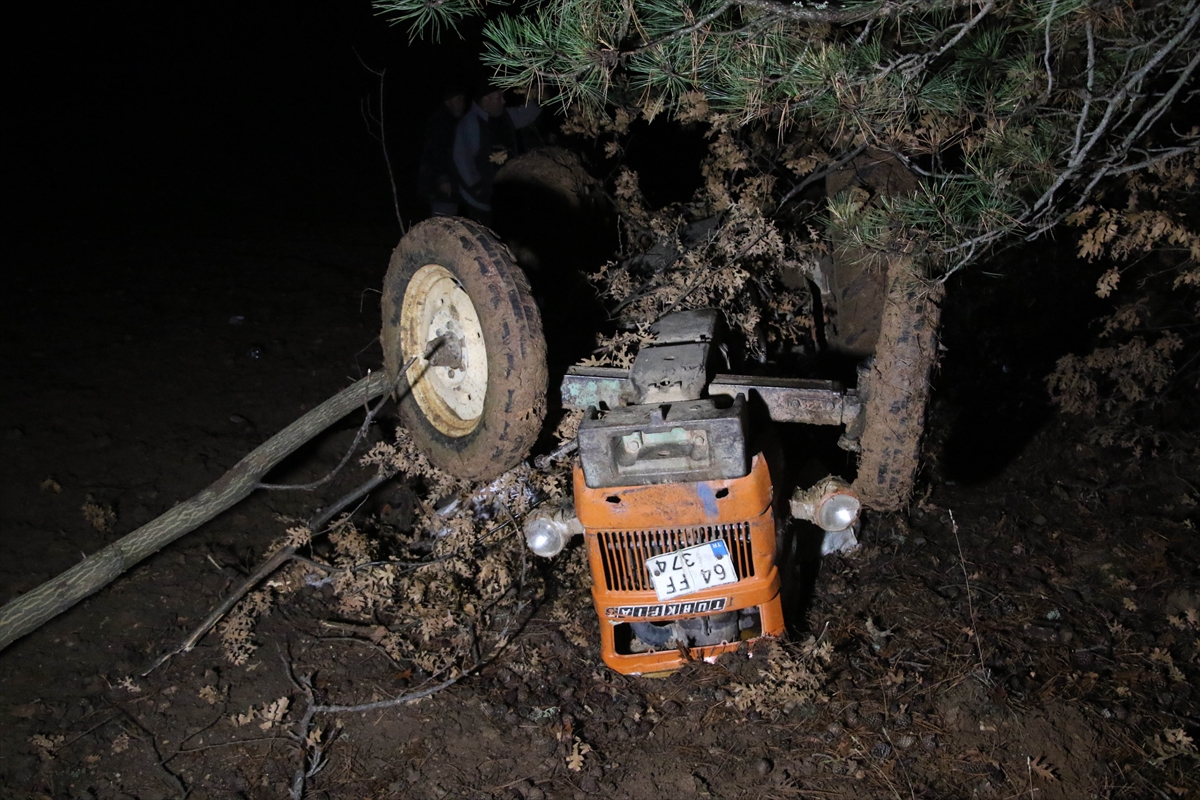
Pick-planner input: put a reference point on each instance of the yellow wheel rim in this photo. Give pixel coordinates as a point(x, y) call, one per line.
point(435, 304)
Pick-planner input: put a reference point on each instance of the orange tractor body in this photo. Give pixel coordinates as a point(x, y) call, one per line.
point(628, 529)
point(676, 507)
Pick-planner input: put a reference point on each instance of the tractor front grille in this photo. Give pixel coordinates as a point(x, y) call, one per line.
point(624, 553)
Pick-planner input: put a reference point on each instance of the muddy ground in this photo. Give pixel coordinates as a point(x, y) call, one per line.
point(1029, 630)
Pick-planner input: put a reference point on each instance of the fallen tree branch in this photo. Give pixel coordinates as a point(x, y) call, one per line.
point(29, 611)
point(358, 438)
point(267, 567)
point(312, 749)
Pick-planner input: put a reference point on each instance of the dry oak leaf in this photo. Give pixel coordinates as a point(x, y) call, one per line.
point(579, 749)
point(1042, 768)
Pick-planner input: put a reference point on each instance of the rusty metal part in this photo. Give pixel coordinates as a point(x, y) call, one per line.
point(689, 441)
point(787, 399)
point(596, 387)
point(445, 351)
point(674, 367)
point(682, 327)
point(670, 373)
point(793, 399)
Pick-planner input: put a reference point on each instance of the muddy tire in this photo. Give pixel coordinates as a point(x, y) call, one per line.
point(857, 287)
point(882, 313)
point(475, 405)
point(894, 385)
point(552, 214)
point(553, 171)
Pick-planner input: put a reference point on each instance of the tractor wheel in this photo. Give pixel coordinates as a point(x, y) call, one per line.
point(884, 315)
point(474, 403)
point(894, 385)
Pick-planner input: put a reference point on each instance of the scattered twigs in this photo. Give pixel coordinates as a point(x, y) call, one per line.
point(962, 563)
point(265, 569)
point(381, 137)
point(310, 742)
point(151, 741)
point(358, 437)
point(313, 743)
point(273, 563)
point(315, 524)
point(95, 727)
point(319, 522)
point(882, 775)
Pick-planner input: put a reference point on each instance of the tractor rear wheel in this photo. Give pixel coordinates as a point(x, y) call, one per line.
point(883, 313)
point(894, 385)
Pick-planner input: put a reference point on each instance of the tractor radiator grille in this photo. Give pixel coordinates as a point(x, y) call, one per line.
point(624, 553)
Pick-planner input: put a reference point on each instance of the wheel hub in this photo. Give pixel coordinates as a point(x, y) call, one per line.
point(448, 380)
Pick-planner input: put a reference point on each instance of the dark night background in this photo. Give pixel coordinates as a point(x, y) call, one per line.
point(156, 114)
point(152, 128)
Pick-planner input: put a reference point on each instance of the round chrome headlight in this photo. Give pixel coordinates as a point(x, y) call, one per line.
point(838, 512)
point(546, 536)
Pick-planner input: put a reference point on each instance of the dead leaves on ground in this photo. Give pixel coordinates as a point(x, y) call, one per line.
point(1042, 767)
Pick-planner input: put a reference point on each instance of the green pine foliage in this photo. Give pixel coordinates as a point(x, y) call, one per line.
point(429, 18)
point(1013, 114)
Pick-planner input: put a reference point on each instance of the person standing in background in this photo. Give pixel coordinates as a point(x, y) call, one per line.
point(485, 139)
point(437, 177)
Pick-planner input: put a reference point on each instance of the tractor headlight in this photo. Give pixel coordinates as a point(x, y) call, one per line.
point(549, 528)
point(831, 504)
point(838, 511)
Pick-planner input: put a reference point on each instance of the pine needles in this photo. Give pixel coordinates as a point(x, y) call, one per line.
point(1013, 115)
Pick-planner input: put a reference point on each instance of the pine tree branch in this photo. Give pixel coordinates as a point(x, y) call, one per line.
point(1120, 101)
point(1091, 84)
point(823, 172)
point(1156, 159)
point(1044, 105)
point(822, 13)
point(1046, 52)
point(912, 64)
point(679, 32)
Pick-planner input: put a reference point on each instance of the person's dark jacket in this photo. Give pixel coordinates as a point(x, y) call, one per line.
point(436, 167)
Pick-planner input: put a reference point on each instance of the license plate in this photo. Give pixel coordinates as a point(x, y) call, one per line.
point(691, 569)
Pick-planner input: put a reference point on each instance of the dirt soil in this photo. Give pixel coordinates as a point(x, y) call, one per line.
point(1030, 635)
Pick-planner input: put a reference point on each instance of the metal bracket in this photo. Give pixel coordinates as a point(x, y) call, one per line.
point(809, 402)
point(643, 444)
point(786, 399)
